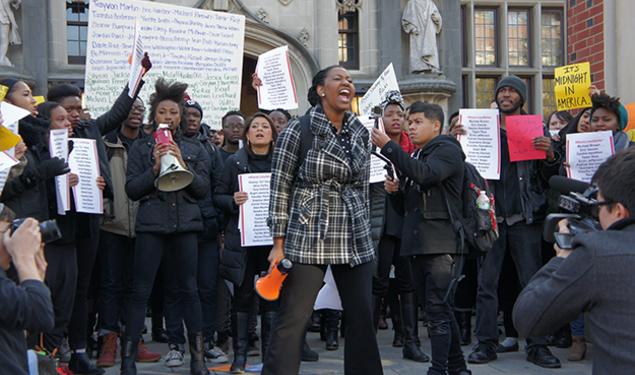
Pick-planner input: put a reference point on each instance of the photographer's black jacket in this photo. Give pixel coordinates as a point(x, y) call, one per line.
point(28, 307)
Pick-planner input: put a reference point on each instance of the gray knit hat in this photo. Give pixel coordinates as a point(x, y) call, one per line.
point(515, 83)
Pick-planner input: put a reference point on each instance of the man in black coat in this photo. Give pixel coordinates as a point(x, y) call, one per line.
point(434, 173)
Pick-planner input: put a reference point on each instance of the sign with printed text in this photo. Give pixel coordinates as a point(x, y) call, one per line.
point(278, 89)
point(586, 152)
point(376, 94)
point(521, 131)
point(199, 47)
point(481, 143)
point(377, 166)
point(83, 161)
point(572, 86)
point(253, 213)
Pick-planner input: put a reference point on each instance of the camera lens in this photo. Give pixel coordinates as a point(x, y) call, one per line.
point(50, 231)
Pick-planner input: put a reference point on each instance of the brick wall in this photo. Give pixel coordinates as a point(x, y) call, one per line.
point(585, 32)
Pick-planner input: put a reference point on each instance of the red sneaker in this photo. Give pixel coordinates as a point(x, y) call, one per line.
point(145, 355)
point(109, 351)
point(63, 370)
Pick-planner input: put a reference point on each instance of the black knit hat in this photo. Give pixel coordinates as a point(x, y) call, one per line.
point(515, 83)
point(191, 103)
point(9, 82)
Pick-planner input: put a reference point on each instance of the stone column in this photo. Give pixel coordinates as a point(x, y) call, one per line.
point(35, 43)
point(451, 48)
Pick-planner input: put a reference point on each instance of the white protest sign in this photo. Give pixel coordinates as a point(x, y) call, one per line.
point(278, 89)
point(376, 94)
point(329, 296)
point(481, 144)
point(84, 163)
point(136, 70)
point(585, 153)
point(199, 47)
point(253, 213)
point(377, 171)
point(6, 162)
point(58, 146)
point(11, 114)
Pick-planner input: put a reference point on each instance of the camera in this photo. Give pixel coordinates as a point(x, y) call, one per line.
point(578, 208)
point(49, 229)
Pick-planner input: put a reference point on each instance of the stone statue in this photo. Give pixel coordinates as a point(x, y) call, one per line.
point(422, 20)
point(8, 29)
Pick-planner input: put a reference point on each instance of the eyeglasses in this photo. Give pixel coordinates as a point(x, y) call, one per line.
point(597, 206)
point(138, 108)
point(234, 126)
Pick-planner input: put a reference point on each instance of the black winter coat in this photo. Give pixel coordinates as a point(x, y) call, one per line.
point(427, 226)
point(211, 217)
point(167, 212)
point(234, 256)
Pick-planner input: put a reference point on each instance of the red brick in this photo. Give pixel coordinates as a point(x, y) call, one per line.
point(583, 34)
point(579, 27)
point(597, 48)
point(579, 8)
point(583, 16)
point(580, 45)
point(600, 84)
point(599, 76)
point(597, 67)
point(598, 38)
point(597, 9)
point(598, 19)
point(583, 53)
point(596, 30)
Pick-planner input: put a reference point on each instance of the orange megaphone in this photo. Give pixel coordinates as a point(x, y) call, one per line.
point(268, 287)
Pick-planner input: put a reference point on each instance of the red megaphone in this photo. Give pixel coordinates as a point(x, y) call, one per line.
point(268, 287)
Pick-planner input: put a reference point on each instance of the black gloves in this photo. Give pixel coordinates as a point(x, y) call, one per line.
point(51, 168)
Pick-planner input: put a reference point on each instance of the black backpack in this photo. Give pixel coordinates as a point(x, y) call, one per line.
point(477, 228)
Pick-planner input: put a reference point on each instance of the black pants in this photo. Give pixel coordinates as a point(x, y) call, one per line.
point(388, 254)
point(244, 293)
point(182, 254)
point(61, 278)
point(433, 276)
point(116, 256)
point(296, 306)
point(465, 298)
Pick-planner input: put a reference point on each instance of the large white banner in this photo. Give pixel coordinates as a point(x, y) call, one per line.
point(376, 94)
point(199, 47)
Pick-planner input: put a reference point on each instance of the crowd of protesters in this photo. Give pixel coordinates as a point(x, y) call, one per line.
point(176, 256)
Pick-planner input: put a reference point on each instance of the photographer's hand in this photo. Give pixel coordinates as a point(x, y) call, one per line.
point(563, 227)
point(24, 246)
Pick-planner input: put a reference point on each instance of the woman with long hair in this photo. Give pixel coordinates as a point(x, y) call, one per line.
point(319, 216)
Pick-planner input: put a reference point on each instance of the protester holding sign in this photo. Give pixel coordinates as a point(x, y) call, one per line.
point(609, 114)
point(240, 264)
point(319, 216)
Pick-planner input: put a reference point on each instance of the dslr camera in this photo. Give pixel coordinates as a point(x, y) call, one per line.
point(49, 229)
point(577, 208)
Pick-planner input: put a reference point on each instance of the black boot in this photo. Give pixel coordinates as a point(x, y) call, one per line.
point(330, 320)
point(409, 317)
point(309, 355)
point(240, 340)
point(464, 320)
point(197, 354)
point(129, 348)
point(80, 364)
point(395, 317)
point(158, 333)
point(376, 311)
point(267, 320)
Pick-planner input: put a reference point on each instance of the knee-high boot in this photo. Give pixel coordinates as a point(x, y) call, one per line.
point(409, 317)
point(395, 316)
point(267, 320)
point(240, 339)
point(331, 319)
point(129, 349)
point(197, 354)
point(464, 320)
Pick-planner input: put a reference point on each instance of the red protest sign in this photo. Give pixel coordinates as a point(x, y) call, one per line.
point(521, 130)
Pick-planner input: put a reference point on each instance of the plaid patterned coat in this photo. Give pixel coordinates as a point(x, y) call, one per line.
point(322, 206)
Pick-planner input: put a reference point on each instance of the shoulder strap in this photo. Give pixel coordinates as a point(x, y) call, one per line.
point(306, 138)
point(456, 224)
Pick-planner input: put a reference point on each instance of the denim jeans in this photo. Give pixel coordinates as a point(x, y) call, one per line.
point(523, 242)
point(116, 254)
point(577, 326)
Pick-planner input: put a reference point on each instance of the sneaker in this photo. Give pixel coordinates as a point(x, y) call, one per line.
point(214, 354)
point(510, 344)
point(174, 358)
point(145, 355)
point(64, 370)
point(108, 351)
point(64, 353)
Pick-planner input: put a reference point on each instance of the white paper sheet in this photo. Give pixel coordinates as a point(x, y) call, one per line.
point(84, 163)
point(377, 171)
point(278, 89)
point(6, 162)
point(136, 70)
point(253, 213)
point(328, 297)
point(12, 114)
point(58, 146)
point(585, 153)
point(376, 94)
point(481, 144)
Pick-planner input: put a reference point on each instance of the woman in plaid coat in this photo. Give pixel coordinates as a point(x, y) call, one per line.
point(319, 216)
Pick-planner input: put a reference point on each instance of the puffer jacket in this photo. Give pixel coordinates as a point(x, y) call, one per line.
point(233, 256)
point(167, 212)
point(211, 217)
point(120, 213)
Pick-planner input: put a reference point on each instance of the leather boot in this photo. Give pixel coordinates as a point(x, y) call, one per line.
point(129, 347)
point(240, 340)
point(564, 337)
point(158, 333)
point(395, 316)
point(309, 355)
point(383, 313)
point(197, 354)
point(376, 311)
point(578, 349)
point(267, 320)
point(464, 320)
point(331, 319)
point(80, 364)
point(409, 317)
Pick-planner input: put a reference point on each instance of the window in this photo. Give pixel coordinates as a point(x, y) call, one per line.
point(518, 37)
point(485, 87)
point(549, 103)
point(77, 30)
point(485, 45)
point(551, 30)
point(348, 39)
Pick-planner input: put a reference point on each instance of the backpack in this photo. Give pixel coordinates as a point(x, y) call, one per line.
point(477, 228)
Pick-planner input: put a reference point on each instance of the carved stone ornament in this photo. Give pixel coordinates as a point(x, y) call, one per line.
point(262, 15)
point(349, 5)
point(304, 37)
point(285, 2)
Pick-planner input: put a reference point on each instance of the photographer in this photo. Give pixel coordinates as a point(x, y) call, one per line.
point(594, 277)
point(26, 306)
